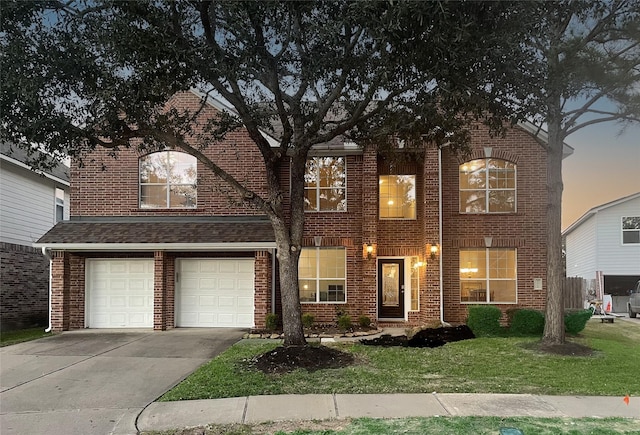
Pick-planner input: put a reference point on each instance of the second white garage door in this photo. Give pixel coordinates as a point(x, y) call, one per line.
point(215, 292)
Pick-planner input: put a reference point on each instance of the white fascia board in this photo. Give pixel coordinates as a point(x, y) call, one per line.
point(219, 103)
point(151, 247)
point(594, 210)
point(542, 134)
point(37, 171)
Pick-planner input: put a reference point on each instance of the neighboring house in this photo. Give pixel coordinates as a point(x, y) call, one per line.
point(30, 204)
point(155, 242)
point(606, 240)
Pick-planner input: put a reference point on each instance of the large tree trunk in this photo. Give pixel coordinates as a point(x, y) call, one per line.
point(554, 312)
point(291, 311)
point(289, 244)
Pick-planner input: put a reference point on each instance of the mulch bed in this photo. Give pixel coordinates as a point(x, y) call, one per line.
point(433, 337)
point(284, 359)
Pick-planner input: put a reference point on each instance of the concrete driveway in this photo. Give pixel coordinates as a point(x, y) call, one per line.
point(97, 382)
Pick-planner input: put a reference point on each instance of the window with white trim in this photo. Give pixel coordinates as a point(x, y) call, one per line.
point(488, 275)
point(322, 274)
point(59, 205)
point(630, 230)
point(487, 186)
point(397, 196)
point(168, 180)
point(325, 184)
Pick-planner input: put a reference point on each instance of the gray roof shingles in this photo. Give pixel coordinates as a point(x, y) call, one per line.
point(232, 231)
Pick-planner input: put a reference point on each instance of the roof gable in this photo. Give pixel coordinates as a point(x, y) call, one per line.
point(598, 209)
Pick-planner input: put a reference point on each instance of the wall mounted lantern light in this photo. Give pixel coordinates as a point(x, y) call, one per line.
point(369, 250)
point(433, 251)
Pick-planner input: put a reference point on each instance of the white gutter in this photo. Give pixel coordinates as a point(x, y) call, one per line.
point(150, 247)
point(46, 254)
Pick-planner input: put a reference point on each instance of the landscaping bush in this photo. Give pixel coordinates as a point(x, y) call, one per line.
point(344, 322)
point(364, 321)
point(484, 320)
point(527, 322)
point(307, 320)
point(271, 321)
point(575, 321)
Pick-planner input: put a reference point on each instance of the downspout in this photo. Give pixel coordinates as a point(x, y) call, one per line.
point(273, 281)
point(45, 252)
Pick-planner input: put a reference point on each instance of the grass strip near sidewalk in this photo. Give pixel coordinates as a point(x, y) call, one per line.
point(482, 365)
point(13, 337)
point(429, 426)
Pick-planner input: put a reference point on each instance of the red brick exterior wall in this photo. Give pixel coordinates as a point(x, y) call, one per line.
point(524, 230)
point(114, 192)
point(24, 287)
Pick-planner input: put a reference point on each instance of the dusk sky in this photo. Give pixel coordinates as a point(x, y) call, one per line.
point(605, 166)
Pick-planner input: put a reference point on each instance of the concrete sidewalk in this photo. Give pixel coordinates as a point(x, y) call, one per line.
point(257, 409)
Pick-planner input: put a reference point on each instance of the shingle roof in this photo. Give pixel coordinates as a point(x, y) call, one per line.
point(59, 170)
point(245, 231)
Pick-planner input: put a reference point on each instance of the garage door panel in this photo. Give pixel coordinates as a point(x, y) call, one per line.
point(206, 284)
point(120, 293)
point(226, 319)
point(245, 303)
point(207, 301)
point(227, 266)
point(218, 290)
point(226, 301)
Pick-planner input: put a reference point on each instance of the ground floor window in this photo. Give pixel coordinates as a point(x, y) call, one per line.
point(488, 275)
point(322, 275)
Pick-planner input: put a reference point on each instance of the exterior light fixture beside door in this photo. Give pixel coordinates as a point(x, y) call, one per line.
point(433, 250)
point(368, 251)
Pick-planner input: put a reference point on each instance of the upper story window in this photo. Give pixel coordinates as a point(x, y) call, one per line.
point(325, 187)
point(168, 180)
point(488, 275)
point(59, 205)
point(397, 196)
point(322, 274)
point(488, 186)
point(630, 230)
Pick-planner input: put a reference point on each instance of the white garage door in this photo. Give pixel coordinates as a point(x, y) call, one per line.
point(215, 292)
point(119, 293)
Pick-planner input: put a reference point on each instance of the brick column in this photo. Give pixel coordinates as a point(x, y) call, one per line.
point(430, 278)
point(60, 291)
point(159, 291)
point(369, 230)
point(262, 288)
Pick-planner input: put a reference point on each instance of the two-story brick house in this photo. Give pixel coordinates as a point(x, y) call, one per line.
point(155, 240)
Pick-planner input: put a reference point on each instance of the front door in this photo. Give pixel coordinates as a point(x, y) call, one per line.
point(391, 289)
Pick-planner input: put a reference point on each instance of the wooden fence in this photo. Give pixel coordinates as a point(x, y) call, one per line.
point(575, 292)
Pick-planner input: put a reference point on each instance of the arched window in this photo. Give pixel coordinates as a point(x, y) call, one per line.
point(168, 180)
point(487, 186)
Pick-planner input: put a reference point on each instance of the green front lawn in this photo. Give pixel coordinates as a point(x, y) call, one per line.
point(482, 365)
point(12, 337)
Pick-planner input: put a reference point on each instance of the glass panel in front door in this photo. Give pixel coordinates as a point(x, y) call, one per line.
point(390, 285)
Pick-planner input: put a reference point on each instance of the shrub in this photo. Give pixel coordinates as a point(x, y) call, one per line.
point(575, 321)
point(484, 320)
point(344, 322)
point(527, 322)
point(364, 321)
point(271, 321)
point(307, 320)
